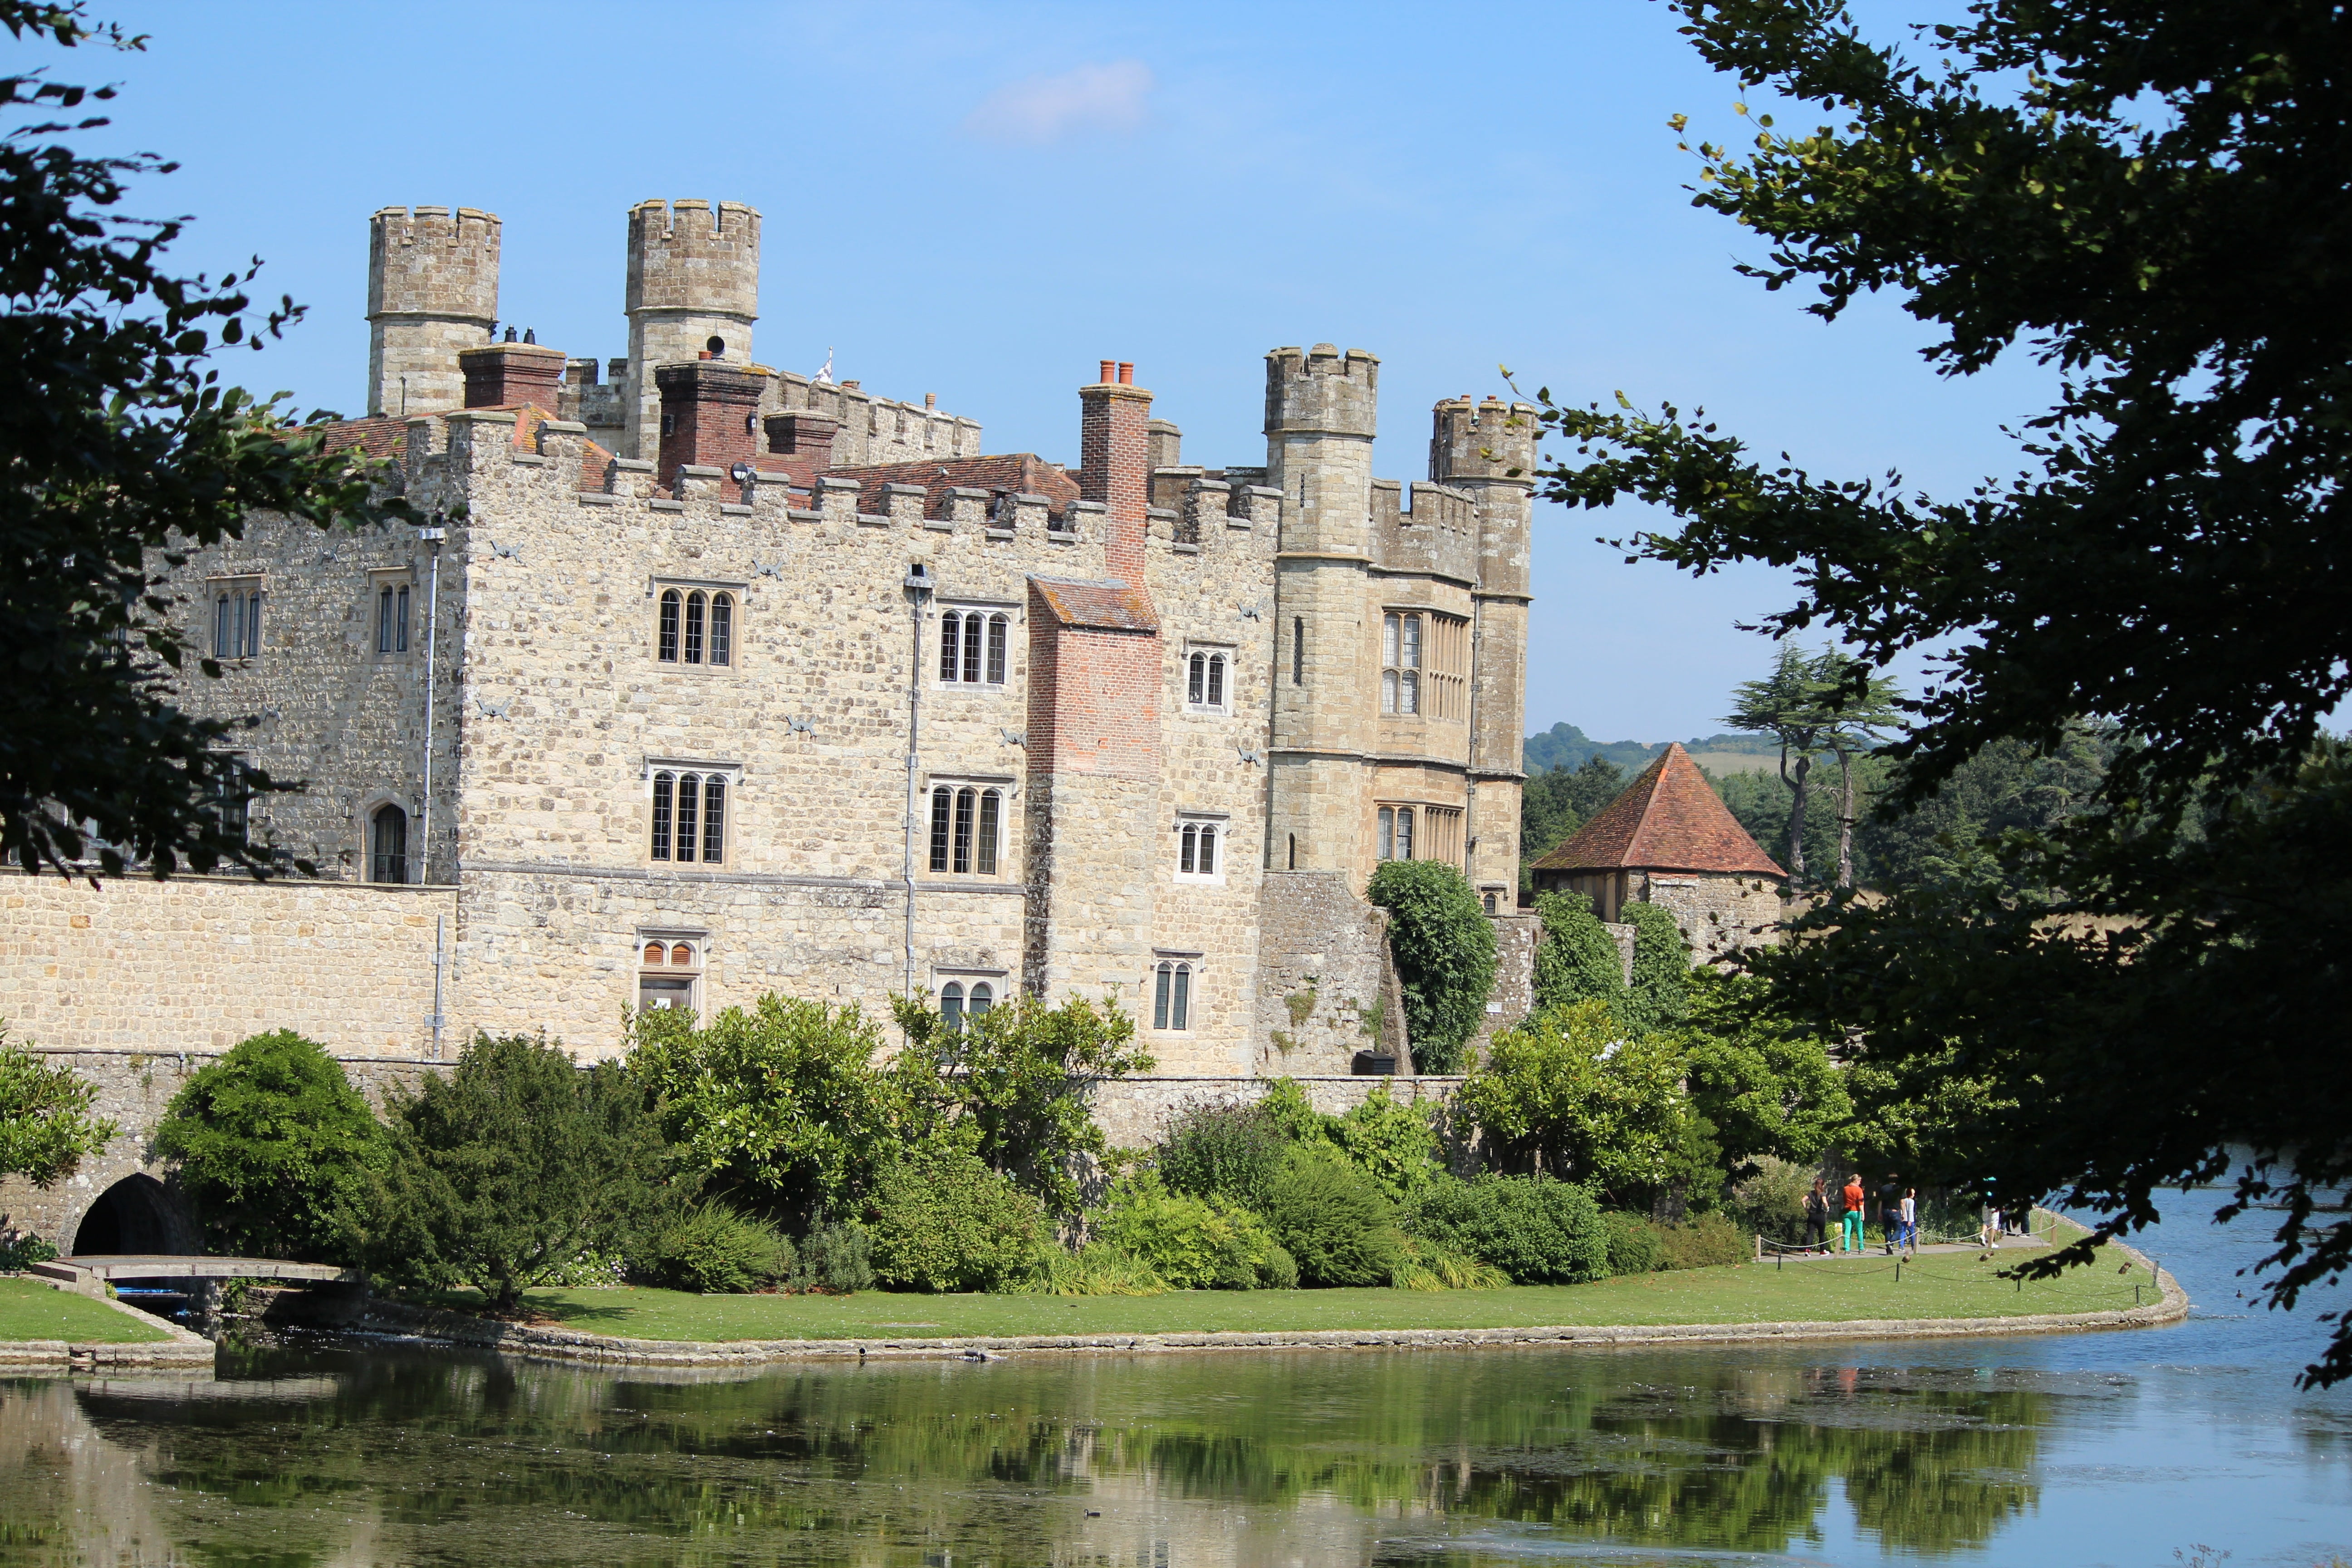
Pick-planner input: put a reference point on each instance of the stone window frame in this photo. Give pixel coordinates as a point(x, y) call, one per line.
point(958, 988)
point(406, 605)
point(730, 778)
point(1431, 827)
point(1173, 988)
point(1404, 656)
point(1208, 669)
point(989, 661)
point(1191, 828)
point(412, 871)
point(716, 643)
point(944, 834)
point(233, 605)
point(696, 940)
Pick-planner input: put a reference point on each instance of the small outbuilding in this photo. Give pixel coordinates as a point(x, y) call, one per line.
point(1668, 840)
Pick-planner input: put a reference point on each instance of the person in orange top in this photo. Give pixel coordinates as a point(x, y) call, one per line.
point(1850, 1234)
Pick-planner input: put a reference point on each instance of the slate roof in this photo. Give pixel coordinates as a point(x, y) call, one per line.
point(1666, 820)
point(1097, 607)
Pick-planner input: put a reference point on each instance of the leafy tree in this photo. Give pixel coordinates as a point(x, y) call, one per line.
point(2009, 791)
point(1763, 805)
point(782, 1105)
point(1392, 1143)
point(1578, 960)
point(124, 452)
point(274, 1145)
point(1862, 707)
point(1767, 1088)
point(1444, 950)
point(2149, 194)
point(507, 1170)
point(46, 1126)
point(1570, 1093)
point(1014, 1085)
point(1792, 705)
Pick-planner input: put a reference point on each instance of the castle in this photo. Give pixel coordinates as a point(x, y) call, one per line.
point(715, 680)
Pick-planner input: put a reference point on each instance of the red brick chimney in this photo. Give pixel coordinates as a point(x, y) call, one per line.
point(804, 434)
point(1115, 462)
point(709, 416)
point(505, 375)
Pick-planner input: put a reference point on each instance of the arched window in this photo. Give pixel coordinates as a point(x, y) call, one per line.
point(972, 648)
point(1196, 849)
point(967, 824)
point(951, 643)
point(1171, 996)
point(665, 646)
point(1400, 664)
point(695, 603)
point(221, 629)
point(1196, 680)
point(689, 816)
point(668, 975)
point(984, 997)
point(388, 845)
point(951, 1003)
point(253, 624)
point(1216, 681)
point(1204, 682)
point(997, 626)
point(665, 796)
point(714, 819)
point(723, 628)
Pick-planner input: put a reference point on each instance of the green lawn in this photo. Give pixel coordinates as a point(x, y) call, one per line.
point(1946, 1284)
point(31, 1312)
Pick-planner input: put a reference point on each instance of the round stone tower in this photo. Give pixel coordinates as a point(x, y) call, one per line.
point(1321, 408)
point(433, 290)
point(693, 289)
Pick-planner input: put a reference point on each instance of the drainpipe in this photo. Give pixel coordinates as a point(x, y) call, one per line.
point(919, 594)
point(432, 536)
point(1470, 772)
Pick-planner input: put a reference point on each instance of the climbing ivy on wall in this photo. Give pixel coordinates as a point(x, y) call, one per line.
point(1576, 960)
point(1444, 950)
point(1661, 986)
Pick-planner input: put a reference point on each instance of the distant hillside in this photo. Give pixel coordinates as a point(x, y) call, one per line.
point(1565, 746)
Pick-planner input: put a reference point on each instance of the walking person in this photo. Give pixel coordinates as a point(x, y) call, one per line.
point(1817, 1218)
point(1890, 1214)
point(1911, 1222)
point(1850, 1228)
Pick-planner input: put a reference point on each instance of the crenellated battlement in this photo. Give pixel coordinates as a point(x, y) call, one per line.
point(876, 429)
point(1320, 390)
point(430, 261)
point(1483, 440)
point(696, 256)
point(1431, 530)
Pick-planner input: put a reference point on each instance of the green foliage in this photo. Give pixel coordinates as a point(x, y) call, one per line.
point(1770, 1201)
point(1636, 1244)
point(1705, 1241)
point(781, 1106)
point(837, 1258)
point(19, 1250)
point(1557, 800)
point(1764, 1083)
point(1014, 1086)
point(1333, 1222)
point(1576, 960)
point(1228, 1152)
point(1535, 1230)
point(274, 1145)
point(1444, 950)
point(504, 1172)
point(1662, 968)
point(1431, 1266)
point(2082, 175)
point(716, 1251)
point(1393, 1144)
point(941, 1220)
point(46, 1127)
point(1570, 1093)
point(1099, 1268)
point(124, 454)
point(1194, 1244)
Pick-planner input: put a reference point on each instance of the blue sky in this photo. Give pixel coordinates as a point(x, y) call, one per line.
point(981, 201)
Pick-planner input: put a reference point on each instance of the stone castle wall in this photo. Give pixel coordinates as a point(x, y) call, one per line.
point(1718, 914)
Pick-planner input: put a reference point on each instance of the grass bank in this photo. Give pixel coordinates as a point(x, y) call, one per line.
point(32, 1312)
point(1944, 1285)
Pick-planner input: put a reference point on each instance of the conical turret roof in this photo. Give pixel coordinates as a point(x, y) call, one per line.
point(1666, 820)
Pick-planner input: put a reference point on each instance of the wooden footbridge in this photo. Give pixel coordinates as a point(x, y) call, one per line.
point(89, 1274)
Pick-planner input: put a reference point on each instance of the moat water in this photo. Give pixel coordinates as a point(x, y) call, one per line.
point(2075, 1450)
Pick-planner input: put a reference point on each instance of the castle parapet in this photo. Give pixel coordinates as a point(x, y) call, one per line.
point(433, 290)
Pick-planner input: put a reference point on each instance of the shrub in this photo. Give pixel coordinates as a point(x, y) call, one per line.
point(1443, 945)
point(1772, 1200)
point(1534, 1229)
point(19, 1250)
point(941, 1220)
point(1578, 960)
point(1571, 1089)
point(718, 1251)
point(1431, 1266)
point(274, 1145)
point(1705, 1241)
point(1192, 1243)
point(1657, 998)
point(1096, 1269)
point(1228, 1152)
point(1635, 1245)
point(507, 1172)
point(836, 1258)
point(1333, 1222)
point(1395, 1144)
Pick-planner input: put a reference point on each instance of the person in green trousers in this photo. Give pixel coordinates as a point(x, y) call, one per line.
point(1850, 1234)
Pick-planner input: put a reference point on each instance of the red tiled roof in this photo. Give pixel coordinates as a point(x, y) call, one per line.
point(1023, 472)
point(1097, 606)
point(1666, 820)
point(382, 437)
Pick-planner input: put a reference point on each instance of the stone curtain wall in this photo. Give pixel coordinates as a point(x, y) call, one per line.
point(1135, 1114)
point(1326, 988)
point(1718, 914)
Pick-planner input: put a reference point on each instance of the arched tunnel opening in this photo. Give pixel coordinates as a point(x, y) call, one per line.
point(133, 1216)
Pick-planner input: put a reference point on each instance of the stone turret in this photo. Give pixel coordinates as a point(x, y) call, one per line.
point(432, 292)
point(1321, 411)
point(1489, 449)
point(693, 289)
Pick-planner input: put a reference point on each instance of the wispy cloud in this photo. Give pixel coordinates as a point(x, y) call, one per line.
point(1042, 108)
